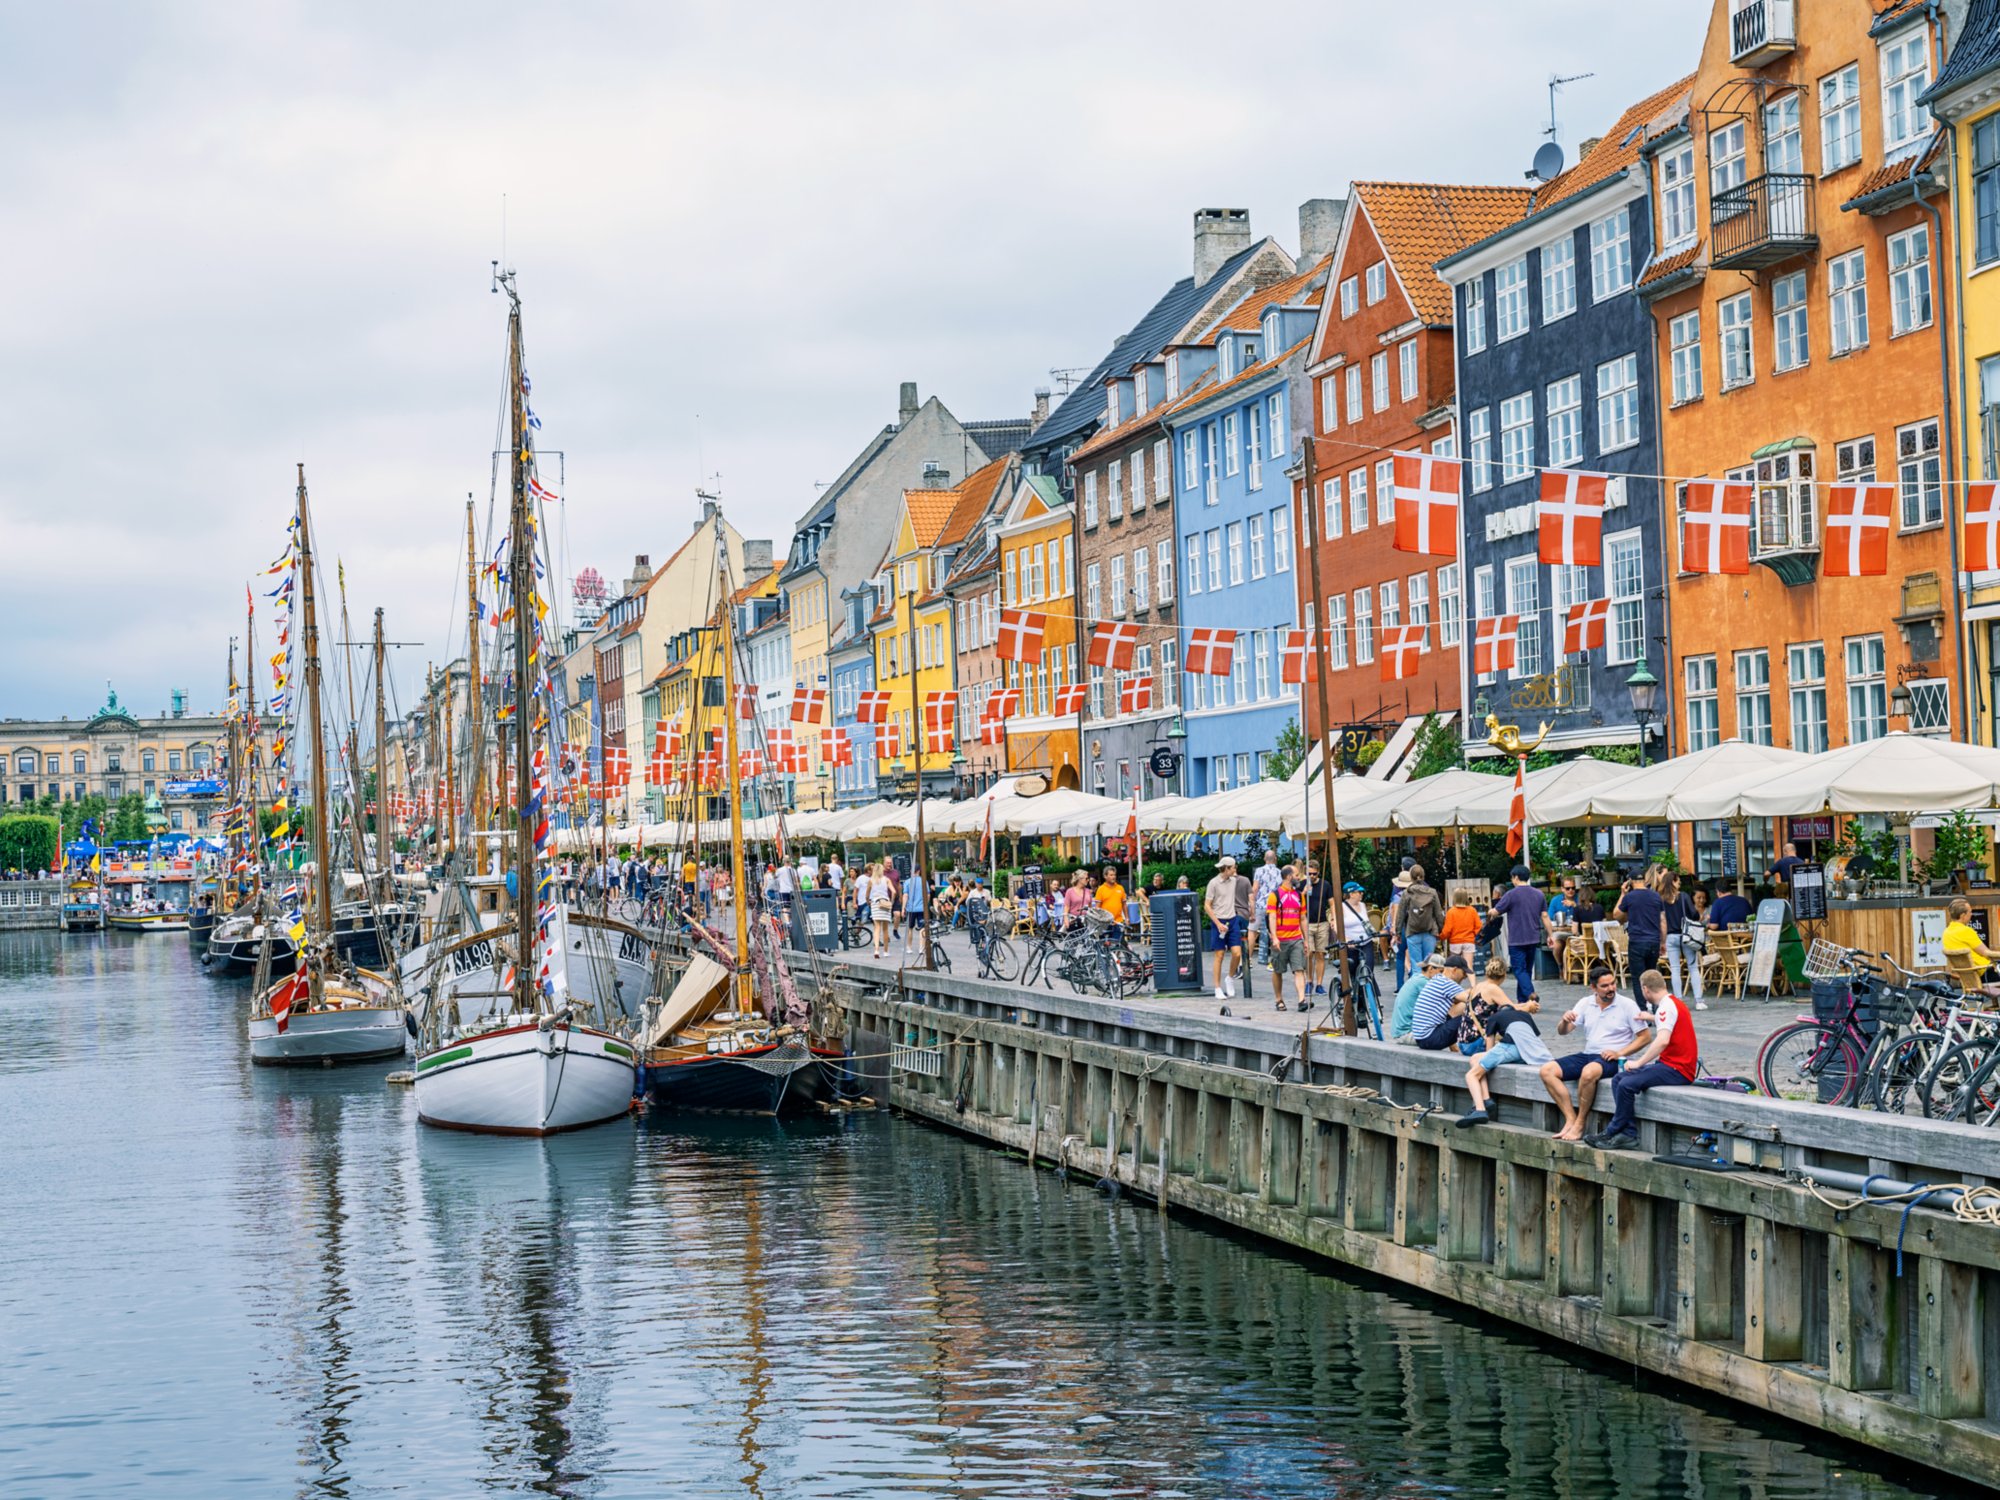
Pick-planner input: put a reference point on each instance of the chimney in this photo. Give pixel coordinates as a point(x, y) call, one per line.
point(756, 557)
point(1319, 229)
point(936, 475)
point(1218, 234)
point(642, 570)
point(1041, 411)
point(1589, 145)
point(709, 511)
point(906, 406)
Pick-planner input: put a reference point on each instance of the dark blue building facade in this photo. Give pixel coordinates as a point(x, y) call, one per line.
point(1556, 369)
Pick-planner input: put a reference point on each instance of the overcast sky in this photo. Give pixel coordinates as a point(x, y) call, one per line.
point(236, 236)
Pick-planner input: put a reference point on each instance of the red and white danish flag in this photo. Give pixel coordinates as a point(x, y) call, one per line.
point(1584, 625)
point(1402, 649)
point(708, 769)
point(292, 991)
point(1569, 518)
point(1004, 703)
point(940, 708)
point(1982, 527)
point(1426, 504)
point(791, 757)
point(749, 763)
point(1112, 642)
point(1070, 697)
point(1211, 652)
point(1298, 657)
point(1494, 644)
point(831, 740)
point(668, 735)
point(617, 766)
point(938, 739)
point(1021, 632)
point(872, 707)
point(1857, 530)
point(746, 700)
point(889, 738)
point(659, 771)
point(808, 704)
point(1715, 527)
point(1135, 694)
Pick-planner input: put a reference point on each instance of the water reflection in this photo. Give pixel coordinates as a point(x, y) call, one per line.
point(279, 1284)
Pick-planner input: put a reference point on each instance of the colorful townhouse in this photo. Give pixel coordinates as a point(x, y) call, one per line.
point(1038, 573)
point(1382, 363)
point(1800, 350)
point(851, 668)
point(911, 629)
point(1232, 437)
point(1965, 99)
point(1555, 372)
point(839, 541)
point(970, 544)
point(764, 629)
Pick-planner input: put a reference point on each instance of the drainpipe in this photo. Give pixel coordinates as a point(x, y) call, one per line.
point(1954, 500)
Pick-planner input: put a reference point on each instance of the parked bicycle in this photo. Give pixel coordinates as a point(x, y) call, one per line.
point(1875, 1047)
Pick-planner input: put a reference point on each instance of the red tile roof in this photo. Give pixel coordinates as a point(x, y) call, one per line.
point(1680, 260)
point(1900, 171)
point(1307, 289)
point(975, 498)
point(1619, 147)
point(1420, 223)
point(929, 510)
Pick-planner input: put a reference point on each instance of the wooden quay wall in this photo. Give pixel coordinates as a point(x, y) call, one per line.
point(1739, 1283)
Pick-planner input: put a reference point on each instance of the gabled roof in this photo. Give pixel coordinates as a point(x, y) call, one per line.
point(1418, 224)
point(1146, 338)
point(1303, 290)
point(1974, 54)
point(1113, 437)
point(929, 510)
point(1201, 395)
point(975, 498)
point(1619, 146)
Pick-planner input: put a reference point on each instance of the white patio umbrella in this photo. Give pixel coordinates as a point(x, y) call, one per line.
point(1044, 815)
point(1470, 799)
point(1112, 824)
point(864, 824)
point(1359, 804)
point(1899, 774)
point(1641, 795)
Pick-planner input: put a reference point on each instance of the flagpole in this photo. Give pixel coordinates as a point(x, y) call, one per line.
point(1339, 937)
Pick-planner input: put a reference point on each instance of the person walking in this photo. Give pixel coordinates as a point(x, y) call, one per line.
point(1419, 918)
point(1520, 909)
point(1645, 917)
point(916, 907)
point(1262, 885)
point(1285, 928)
point(1225, 917)
point(881, 907)
point(1687, 935)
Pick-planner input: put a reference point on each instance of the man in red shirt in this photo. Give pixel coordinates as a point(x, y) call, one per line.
point(1669, 1059)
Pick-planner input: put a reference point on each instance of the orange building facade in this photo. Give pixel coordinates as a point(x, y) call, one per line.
point(1799, 322)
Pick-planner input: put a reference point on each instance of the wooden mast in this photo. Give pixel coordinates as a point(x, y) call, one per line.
point(475, 727)
point(253, 828)
point(738, 863)
point(223, 887)
point(447, 810)
point(382, 824)
point(922, 862)
point(322, 844)
point(522, 568)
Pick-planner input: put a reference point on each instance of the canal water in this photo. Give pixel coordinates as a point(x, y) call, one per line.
point(220, 1281)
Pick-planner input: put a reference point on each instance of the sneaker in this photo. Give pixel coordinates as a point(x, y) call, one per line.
point(1475, 1117)
point(1219, 993)
point(1229, 987)
point(1701, 1005)
point(1624, 1140)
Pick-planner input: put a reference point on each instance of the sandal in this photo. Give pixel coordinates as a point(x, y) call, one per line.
point(1281, 1005)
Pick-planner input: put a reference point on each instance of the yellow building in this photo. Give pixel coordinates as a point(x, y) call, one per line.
point(172, 759)
point(912, 634)
point(689, 691)
point(1038, 572)
point(1966, 101)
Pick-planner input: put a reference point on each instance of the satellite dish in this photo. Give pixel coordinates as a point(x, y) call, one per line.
point(1548, 161)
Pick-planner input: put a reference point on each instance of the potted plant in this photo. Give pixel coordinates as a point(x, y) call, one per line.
point(1959, 848)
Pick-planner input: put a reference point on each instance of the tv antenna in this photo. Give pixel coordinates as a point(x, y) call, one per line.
point(1064, 379)
point(1555, 85)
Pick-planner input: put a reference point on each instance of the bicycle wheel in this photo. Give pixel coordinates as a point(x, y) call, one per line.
point(630, 909)
point(1002, 962)
point(1959, 1081)
point(1894, 1080)
point(940, 960)
point(1810, 1062)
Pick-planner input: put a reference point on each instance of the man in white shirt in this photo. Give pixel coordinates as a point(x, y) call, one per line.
point(1267, 880)
point(1226, 925)
point(1614, 1029)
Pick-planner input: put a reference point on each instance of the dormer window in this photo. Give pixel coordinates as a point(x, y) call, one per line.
point(1270, 330)
point(1139, 401)
point(1226, 351)
point(1111, 406)
point(1173, 377)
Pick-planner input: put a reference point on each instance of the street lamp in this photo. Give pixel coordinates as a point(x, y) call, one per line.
point(1644, 690)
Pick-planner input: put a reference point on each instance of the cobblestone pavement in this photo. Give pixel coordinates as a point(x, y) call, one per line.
point(1731, 1030)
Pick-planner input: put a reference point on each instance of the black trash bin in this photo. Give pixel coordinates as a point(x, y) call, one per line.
point(1176, 941)
point(816, 920)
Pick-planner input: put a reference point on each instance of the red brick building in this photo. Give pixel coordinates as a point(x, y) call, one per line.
point(1381, 365)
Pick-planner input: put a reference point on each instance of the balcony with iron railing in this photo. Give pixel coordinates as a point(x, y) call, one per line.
point(1763, 222)
point(1760, 30)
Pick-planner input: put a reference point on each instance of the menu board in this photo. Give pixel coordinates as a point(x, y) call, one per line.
point(1809, 893)
point(1764, 934)
point(1927, 938)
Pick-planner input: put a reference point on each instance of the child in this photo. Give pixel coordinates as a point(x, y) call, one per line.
point(1511, 1036)
point(1460, 932)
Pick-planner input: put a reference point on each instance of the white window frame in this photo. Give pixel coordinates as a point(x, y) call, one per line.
point(1255, 535)
point(1385, 491)
point(1618, 404)
point(1354, 407)
point(1451, 612)
point(1906, 72)
point(1364, 626)
point(1163, 572)
point(1281, 540)
point(1479, 448)
point(1510, 301)
point(1920, 475)
point(1378, 282)
point(1840, 118)
point(1336, 632)
point(1563, 401)
point(1750, 673)
point(1611, 255)
point(1684, 341)
point(1738, 338)
point(1678, 225)
point(1867, 672)
point(1474, 328)
point(1350, 296)
point(1558, 261)
point(1847, 301)
point(1791, 342)
point(1703, 699)
point(1625, 587)
point(1089, 499)
point(1233, 540)
point(1524, 598)
point(1357, 500)
point(1232, 444)
point(1378, 380)
point(1805, 683)
point(1406, 365)
point(1191, 579)
point(1910, 280)
point(1517, 437)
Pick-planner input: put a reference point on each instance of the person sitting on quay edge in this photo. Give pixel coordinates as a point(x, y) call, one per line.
point(1669, 1059)
point(1511, 1037)
point(1402, 1019)
point(1440, 1005)
point(1613, 1029)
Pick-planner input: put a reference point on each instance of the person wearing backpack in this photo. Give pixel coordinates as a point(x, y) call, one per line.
point(1419, 917)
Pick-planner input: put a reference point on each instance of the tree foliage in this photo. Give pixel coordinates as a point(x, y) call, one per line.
point(128, 818)
point(1288, 752)
point(28, 841)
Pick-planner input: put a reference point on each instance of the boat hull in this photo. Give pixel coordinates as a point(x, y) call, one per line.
point(148, 922)
point(240, 957)
point(754, 1081)
point(355, 1034)
point(525, 1080)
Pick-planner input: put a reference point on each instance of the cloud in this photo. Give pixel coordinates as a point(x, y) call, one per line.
point(240, 236)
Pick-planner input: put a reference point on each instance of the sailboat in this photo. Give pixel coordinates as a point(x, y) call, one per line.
point(509, 1046)
point(711, 1046)
point(324, 1011)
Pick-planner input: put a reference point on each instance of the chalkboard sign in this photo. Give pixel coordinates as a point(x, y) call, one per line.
point(1659, 839)
point(1809, 893)
point(1176, 945)
point(1769, 925)
point(1729, 852)
point(1927, 938)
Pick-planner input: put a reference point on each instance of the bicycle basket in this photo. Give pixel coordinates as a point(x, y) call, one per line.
point(1895, 1007)
point(1097, 916)
point(1825, 960)
point(1000, 921)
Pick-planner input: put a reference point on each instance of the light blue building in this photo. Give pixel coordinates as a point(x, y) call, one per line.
point(1232, 437)
point(851, 668)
